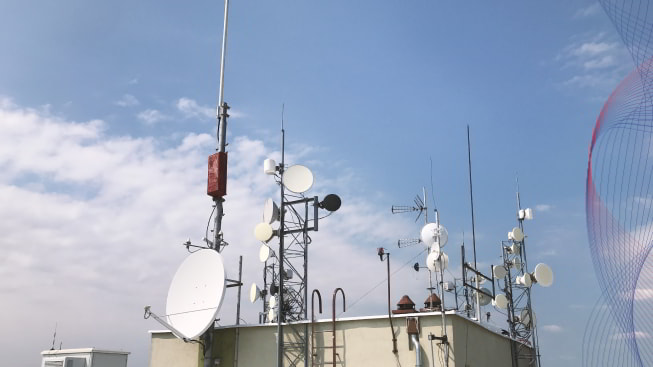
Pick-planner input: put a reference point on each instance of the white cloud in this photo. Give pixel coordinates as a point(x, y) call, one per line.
point(635, 334)
point(543, 207)
point(92, 226)
point(594, 61)
point(552, 328)
point(151, 116)
point(588, 11)
point(127, 100)
point(191, 109)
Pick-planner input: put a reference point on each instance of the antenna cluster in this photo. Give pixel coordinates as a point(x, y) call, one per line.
point(284, 293)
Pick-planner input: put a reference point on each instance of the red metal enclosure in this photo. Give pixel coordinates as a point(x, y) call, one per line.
point(217, 181)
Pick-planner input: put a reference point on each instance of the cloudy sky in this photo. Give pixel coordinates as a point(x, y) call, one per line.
point(107, 118)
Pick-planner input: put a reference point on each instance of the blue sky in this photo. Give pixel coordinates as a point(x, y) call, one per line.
point(107, 119)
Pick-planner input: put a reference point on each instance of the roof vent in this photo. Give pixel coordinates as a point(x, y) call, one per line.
point(432, 303)
point(405, 305)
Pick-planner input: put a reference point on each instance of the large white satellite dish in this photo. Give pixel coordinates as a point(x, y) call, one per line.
point(196, 293)
point(516, 234)
point(298, 178)
point(500, 301)
point(484, 297)
point(543, 275)
point(254, 293)
point(270, 211)
point(499, 271)
point(430, 231)
point(263, 232)
point(264, 253)
point(437, 259)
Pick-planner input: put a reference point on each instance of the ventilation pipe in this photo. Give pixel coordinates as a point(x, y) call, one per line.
point(418, 351)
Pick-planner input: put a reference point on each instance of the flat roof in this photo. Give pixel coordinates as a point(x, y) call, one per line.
point(487, 326)
point(80, 351)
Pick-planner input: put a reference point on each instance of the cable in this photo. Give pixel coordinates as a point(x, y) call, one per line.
point(351, 305)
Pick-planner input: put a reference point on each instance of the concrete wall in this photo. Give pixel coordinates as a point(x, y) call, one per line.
point(359, 342)
point(167, 350)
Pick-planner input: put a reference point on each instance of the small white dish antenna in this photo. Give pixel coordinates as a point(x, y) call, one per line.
point(516, 234)
point(515, 248)
point(528, 214)
point(429, 234)
point(516, 263)
point(270, 211)
point(263, 232)
point(524, 280)
point(273, 301)
point(525, 318)
point(298, 178)
point(196, 293)
point(500, 301)
point(449, 286)
point(272, 315)
point(264, 253)
point(269, 167)
point(484, 297)
point(543, 275)
point(499, 271)
point(437, 259)
point(254, 293)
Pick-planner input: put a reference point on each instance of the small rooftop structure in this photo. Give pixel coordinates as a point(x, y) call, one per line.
point(84, 357)
point(405, 305)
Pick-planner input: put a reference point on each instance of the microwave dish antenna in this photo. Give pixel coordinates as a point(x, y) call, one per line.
point(196, 293)
point(543, 275)
point(264, 253)
point(270, 211)
point(431, 232)
point(298, 178)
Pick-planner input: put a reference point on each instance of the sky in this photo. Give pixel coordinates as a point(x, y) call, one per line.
point(107, 116)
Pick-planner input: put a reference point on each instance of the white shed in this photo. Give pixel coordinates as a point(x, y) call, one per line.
point(84, 357)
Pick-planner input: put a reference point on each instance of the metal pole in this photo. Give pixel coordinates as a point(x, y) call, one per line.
point(222, 125)
point(442, 311)
point(240, 286)
point(471, 198)
point(392, 328)
point(282, 224)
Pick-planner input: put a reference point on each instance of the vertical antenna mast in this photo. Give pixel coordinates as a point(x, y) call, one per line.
point(221, 157)
point(471, 199)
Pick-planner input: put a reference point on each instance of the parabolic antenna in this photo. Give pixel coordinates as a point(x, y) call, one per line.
point(543, 275)
point(516, 234)
point(500, 301)
point(515, 248)
point(526, 319)
point(196, 293)
point(254, 293)
point(269, 166)
point(484, 297)
point(524, 280)
point(429, 233)
point(331, 202)
point(437, 259)
point(263, 232)
point(264, 253)
point(270, 211)
point(499, 271)
point(273, 301)
point(516, 263)
point(298, 178)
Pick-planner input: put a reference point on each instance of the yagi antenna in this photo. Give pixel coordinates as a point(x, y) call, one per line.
point(419, 207)
point(406, 242)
